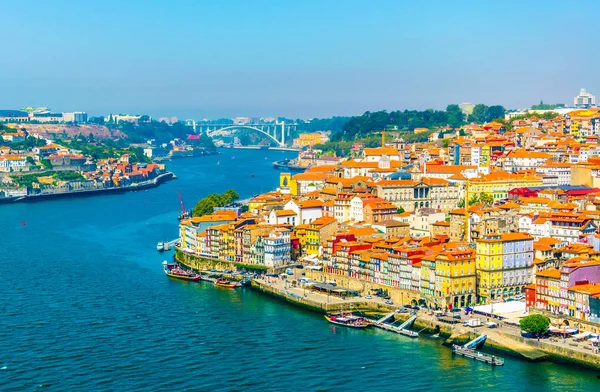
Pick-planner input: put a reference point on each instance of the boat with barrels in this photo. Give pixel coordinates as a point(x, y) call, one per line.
point(348, 319)
point(174, 270)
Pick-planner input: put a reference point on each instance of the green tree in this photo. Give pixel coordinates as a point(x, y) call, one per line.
point(495, 111)
point(486, 198)
point(461, 203)
point(535, 323)
point(479, 113)
point(474, 199)
point(207, 205)
point(456, 117)
point(400, 210)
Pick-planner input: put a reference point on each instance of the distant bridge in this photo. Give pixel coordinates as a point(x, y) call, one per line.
point(276, 132)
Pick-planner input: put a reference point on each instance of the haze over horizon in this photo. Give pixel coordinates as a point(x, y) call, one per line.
point(295, 59)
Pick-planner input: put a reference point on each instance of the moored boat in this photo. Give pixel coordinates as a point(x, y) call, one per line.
point(176, 272)
point(225, 283)
point(347, 319)
point(160, 246)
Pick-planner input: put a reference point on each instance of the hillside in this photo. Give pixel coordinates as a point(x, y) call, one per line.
point(69, 131)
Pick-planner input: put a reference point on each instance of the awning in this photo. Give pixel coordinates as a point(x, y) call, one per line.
point(581, 335)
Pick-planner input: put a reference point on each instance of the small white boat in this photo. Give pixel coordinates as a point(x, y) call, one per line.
point(160, 247)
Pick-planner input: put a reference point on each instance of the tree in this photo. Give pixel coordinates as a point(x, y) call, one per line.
point(495, 111)
point(474, 199)
point(96, 120)
point(478, 114)
point(207, 205)
point(535, 324)
point(486, 198)
point(456, 117)
point(461, 203)
point(400, 210)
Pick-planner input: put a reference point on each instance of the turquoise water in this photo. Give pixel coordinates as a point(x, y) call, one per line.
point(85, 306)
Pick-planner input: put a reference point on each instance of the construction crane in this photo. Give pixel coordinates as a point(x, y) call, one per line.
point(184, 213)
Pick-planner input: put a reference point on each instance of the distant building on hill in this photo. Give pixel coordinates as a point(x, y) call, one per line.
point(584, 99)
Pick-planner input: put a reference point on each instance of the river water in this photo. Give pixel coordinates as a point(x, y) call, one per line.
point(84, 305)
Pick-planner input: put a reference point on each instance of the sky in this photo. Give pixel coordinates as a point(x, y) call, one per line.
point(300, 59)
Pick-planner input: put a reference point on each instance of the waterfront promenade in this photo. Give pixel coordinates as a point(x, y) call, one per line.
point(504, 338)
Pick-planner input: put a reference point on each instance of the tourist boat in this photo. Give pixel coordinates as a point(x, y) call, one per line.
point(347, 319)
point(245, 282)
point(176, 272)
point(225, 283)
point(160, 246)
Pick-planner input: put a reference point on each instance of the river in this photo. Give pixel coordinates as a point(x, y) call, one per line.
point(85, 306)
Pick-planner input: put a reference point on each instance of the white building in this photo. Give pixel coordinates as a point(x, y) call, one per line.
point(75, 117)
point(562, 170)
point(279, 217)
point(521, 159)
point(420, 223)
point(306, 210)
point(277, 248)
point(584, 99)
point(13, 163)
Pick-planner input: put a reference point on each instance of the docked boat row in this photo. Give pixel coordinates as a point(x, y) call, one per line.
point(469, 350)
point(174, 270)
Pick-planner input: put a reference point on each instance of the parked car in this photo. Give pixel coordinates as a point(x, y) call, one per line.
point(389, 302)
point(368, 297)
point(402, 310)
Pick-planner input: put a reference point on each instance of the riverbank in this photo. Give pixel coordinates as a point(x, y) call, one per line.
point(162, 178)
point(286, 165)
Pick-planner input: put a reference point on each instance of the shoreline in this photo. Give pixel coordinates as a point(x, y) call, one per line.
point(498, 341)
point(160, 179)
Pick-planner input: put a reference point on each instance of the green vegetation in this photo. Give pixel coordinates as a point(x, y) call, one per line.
point(535, 323)
point(105, 149)
point(207, 205)
point(160, 131)
point(360, 126)
point(545, 116)
point(482, 113)
point(251, 267)
point(545, 106)
point(204, 142)
point(484, 198)
point(28, 179)
point(28, 144)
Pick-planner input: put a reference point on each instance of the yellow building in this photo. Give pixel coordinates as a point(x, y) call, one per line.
point(318, 232)
point(504, 265)
point(499, 183)
point(257, 203)
point(455, 278)
point(310, 139)
point(300, 231)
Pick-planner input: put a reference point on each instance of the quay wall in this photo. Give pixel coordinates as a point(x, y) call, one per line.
point(397, 295)
point(316, 306)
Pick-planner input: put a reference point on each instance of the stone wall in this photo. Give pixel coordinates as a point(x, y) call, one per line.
point(397, 295)
point(319, 307)
point(559, 319)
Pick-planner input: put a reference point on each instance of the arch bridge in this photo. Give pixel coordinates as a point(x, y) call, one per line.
point(277, 132)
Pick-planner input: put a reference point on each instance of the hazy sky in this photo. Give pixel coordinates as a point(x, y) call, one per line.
point(302, 58)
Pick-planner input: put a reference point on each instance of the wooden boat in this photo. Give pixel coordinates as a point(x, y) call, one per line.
point(225, 284)
point(176, 272)
point(348, 320)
